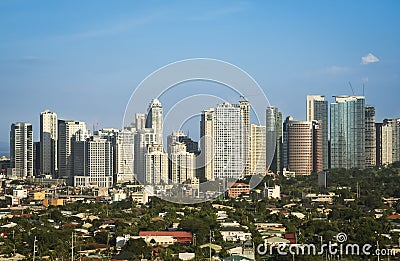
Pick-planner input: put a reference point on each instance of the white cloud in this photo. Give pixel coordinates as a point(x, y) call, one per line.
point(369, 58)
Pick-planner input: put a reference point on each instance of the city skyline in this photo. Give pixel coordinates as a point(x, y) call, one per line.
point(67, 56)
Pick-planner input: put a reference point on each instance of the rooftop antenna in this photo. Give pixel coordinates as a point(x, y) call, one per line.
point(244, 98)
point(351, 86)
point(363, 90)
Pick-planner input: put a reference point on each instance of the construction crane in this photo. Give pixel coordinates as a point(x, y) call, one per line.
point(351, 87)
point(244, 98)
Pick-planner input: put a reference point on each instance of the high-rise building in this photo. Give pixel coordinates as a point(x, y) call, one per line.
point(370, 137)
point(245, 117)
point(180, 136)
point(390, 141)
point(304, 147)
point(156, 165)
point(154, 119)
point(142, 138)
point(93, 162)
point(21, 150)
point(140, 122)
point(182, 163)
point(378, 146)
point(228, 145)
point(348, 132)
point(274, 139)
point(317, 110)
point(124, 155)
point(68, 132)
point(36, 159)
point(206, 158)
point(48, 142)
point(285, 144)
point(257, 148)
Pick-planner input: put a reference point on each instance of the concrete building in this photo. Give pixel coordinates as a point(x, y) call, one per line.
point(257, 148)
point(93, 162)
point(180, 136)
point(206, 158)
point(245, 136)
point(370, 137)
point(154, 119)
point(142, 138)
point(285, 148)
point(304, 147)
point(348, 132)
point(317, 110)
point(378, 144)
point(274, 192)
point(228, 145)
point(182, 164)
point(48, 143)
point(124, 157)
point(156, 165)
point(140, 121)
point(390, 141)
point(21, 150)
point(68, 132)
point(237, 189)
point(36, 160)
point(274, 139)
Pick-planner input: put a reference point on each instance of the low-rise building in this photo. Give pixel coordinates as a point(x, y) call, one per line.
point(237, 189)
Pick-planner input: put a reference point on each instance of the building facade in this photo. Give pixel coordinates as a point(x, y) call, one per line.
point(274, 139)
point(317, 110)
point(68, 132)
point(206, 157)
point(93, 162)
point(390, 145)
point(228, 127)
point(142, 138)
point(245, 137)
point(154, 119)
point(48, 143)
point(370, 137)
point(348, 132)
point(257, 148)
point(156, 165)
point(182, 164)
point(304, 147)
point(21, 150)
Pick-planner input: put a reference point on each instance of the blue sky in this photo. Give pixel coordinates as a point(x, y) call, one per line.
point(83, 59)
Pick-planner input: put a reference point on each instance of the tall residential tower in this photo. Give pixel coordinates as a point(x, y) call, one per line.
point(317, 110)
point(48, 142)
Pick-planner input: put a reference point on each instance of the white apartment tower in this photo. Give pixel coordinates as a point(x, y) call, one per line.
point(206, 160)
point(48, 142)
point(21, 150)
point(390, 141)
point(228, 145)
point(68, 132)
point(183, 163)
point(156, 165)
point(258, 147)
point(124, 150)
point(142, 138)
point(93, 163)
point(245, 117)
point(154, 119)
